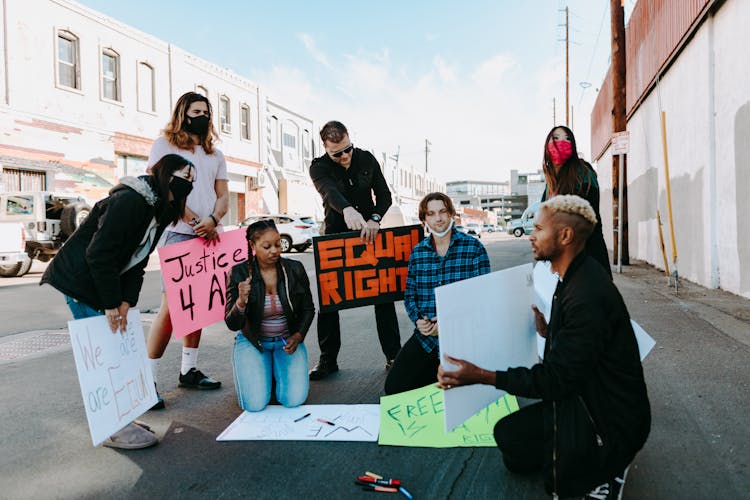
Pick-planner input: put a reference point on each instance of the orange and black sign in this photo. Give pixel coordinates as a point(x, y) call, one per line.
point(352, 273)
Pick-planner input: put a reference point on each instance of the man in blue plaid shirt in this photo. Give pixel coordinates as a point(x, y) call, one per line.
point(445, 256)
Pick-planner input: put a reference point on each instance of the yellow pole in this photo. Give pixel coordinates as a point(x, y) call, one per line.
point(669, 189)
point(661, 242)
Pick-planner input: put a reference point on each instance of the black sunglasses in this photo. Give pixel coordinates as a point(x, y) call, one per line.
point(347, 149)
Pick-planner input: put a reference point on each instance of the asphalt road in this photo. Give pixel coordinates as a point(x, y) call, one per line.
point(698, 446)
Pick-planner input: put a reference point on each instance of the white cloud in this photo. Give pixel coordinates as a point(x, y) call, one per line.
point(482, 121)
point(313, 50)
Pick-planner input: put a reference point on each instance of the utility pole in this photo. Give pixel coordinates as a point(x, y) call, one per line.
point(554, 112)
point(567, 70)
point(619, 124)
point(427, 145)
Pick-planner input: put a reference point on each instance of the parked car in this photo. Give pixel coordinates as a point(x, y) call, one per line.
point(297, 231)
point(489, 228)
point(474, 229)
point(524, 225)
point(48, 219)
point(13, 258)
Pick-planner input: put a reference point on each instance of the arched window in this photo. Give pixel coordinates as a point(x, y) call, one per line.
point(306, 144)
point(200, 89)
point(225, 118)
point(68, 60)
point(245, 121)
point(274, 132)
point(146, 88)
point(110, 75)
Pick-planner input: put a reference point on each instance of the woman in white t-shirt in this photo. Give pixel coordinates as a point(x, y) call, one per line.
point(190, 133)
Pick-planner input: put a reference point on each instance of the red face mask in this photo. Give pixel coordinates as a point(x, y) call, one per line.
point(560, 151)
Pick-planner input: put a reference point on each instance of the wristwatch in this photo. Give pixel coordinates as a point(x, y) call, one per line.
point(376, 218)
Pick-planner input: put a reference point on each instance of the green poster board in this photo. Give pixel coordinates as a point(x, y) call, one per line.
point(415, 418)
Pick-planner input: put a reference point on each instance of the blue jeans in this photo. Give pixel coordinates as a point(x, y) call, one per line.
point(253, 371)
point(81, 310)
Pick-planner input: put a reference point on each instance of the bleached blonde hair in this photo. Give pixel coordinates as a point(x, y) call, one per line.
point(572, 211)
point(571, 204)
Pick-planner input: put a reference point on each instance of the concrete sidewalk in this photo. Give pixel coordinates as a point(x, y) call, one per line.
point(699, 386)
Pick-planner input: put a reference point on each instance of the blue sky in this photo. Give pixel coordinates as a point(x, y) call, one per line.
point(477, 78)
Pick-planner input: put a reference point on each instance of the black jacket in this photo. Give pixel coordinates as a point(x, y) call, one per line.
point(350, 187)
point(293, 288)
point(591, 352)
point(595, 245)
point(88, 265)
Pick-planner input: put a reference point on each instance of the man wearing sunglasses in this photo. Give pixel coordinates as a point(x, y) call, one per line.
point(346, 178)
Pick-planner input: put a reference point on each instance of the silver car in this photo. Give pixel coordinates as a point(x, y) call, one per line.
point(297, 231)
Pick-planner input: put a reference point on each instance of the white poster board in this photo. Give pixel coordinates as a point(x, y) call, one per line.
point(486, 320)
point(306, 423)
point(116, 382)
point(545, 284)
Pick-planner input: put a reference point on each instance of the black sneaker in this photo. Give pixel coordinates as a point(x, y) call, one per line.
point(322, 370)
point(195, 379)
point(611, 490)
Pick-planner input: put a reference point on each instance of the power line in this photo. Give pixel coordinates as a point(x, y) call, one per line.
point(593, 52)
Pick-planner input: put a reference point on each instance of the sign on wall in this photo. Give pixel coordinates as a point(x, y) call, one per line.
point(351, 273)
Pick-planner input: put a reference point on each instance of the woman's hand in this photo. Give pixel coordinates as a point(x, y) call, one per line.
point(541, 323)
point(118, 317)
point(243, 293)
point(292, 342)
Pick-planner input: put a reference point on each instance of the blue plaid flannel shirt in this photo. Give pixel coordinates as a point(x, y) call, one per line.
point(466, 258)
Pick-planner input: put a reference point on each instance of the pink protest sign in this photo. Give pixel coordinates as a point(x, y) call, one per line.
point(194, 275)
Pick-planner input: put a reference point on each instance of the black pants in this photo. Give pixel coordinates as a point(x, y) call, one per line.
point(329, 333)
point(414, 368)
point(520, 437)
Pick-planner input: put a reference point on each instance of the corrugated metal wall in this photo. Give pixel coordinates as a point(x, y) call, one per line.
point(656, 29)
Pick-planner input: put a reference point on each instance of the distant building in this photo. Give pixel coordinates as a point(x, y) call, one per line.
point(489, 196)
point(408, 186)
point(531, 184)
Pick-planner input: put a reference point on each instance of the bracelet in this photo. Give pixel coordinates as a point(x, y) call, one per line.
point(240, 309)
point(216, 222)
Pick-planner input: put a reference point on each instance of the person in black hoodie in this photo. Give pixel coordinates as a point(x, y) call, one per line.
point(100, 267)
point(594, 413)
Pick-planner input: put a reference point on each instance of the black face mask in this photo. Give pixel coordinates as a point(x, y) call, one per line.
point(180, 188)
point(197, 125)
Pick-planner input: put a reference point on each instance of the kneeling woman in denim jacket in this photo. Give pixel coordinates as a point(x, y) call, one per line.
point(270, 305)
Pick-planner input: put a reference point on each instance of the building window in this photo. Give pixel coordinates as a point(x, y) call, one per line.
point(306, 144)
point(225, 120)
point(68, 60)
point(19, 179)
point(131, 166)
point(245, 121)
point(110, 75)
point(200, 89)
point(146, 88)
point(290, 141)
point(274, 133)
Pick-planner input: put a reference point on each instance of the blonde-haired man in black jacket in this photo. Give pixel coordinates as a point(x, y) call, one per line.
point(594, 413)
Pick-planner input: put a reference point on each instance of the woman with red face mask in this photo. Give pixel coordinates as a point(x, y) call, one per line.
point(566, 173)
